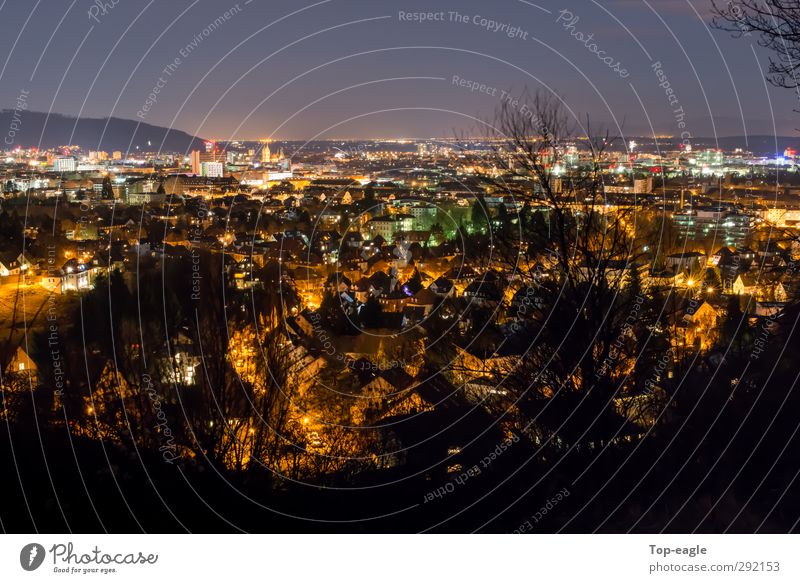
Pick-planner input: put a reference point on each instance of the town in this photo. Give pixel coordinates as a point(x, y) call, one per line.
point(316, 309)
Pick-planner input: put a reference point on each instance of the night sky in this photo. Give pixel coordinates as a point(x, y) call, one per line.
point(344, 69)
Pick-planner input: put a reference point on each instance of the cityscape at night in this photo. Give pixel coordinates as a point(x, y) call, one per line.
point(351, 267)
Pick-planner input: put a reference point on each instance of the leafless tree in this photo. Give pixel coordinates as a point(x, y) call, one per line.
point(599, 319)
point(776, 24)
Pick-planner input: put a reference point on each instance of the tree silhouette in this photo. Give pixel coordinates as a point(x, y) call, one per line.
point(107, 192)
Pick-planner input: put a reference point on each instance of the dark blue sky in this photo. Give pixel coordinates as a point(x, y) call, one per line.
point(352, 68)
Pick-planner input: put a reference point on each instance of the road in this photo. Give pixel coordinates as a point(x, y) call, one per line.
point(24, 306)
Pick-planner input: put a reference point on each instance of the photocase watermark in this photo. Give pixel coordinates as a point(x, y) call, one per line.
point(328, 347)
point(53, 338)
point(197, 234)
point(735, 10)
point(66, 560)
point(625, 332)
point(167, 448)
point(489, 24)
point(357, 151)
point(761, 341)
point(364, 365)
point(196, 275)
point(651, 383)
point(672, 97)
point(568, 20)
point(472, 472)
point(450, 486)
point(518, 104)
point(184, 53)
point(161, 83)
point(32, 556)
point(499, 450)
point(475, 86)
point(16, 117)
point(548, 507)
point(95, 560)
point(101, 8)
point(528, 302)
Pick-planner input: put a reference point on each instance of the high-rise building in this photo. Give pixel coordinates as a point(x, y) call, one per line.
point(725, 226)
point(195, 161)
point(198, 158)
point(643, 185)
point(66, 164)
point(116, 155)
point(212, 169)
point(710, 157)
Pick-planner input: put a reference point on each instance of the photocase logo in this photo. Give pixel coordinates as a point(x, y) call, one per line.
point(31, 556)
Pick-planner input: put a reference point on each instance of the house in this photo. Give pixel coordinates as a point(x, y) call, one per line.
point(527, 302)
point(746, 284)
point(72, 276)
point(467, 367)
point(442, 287)
point(363, 289)
point(184, 365)
point(353, 240)
point(425, 299)
point(118, 225)
point(698, 321)
point(479, 389)
point(22, 364)
point(243, 275)
point(724, 256)
point(768, 309)
point(745, 253)
point(76, 276)
point(412, 315)
point(394, 301)
point(779, 292)
point(304, 322)
point(690, 261)
point(302, 367)
point(329, 218)
point(307, 280)
point(10, 264)
point(483, 291)
point(381, 283)
point(338, 282)
point(461, 277)
point(387, 226)
point(663, 279)
point(381, 391)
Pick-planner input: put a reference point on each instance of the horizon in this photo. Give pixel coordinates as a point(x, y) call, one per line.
point(699, 138)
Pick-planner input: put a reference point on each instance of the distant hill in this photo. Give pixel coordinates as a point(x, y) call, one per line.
point(121, 134)
point(760, 145)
